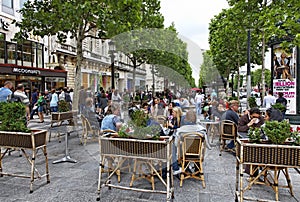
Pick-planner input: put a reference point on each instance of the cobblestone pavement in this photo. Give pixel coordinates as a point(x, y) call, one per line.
point(78, 181)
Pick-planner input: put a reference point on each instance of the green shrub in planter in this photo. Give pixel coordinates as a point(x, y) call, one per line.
point(277, 132)
point(255, 135)
point(63, 106)
point(279, 106)
point(13, 117)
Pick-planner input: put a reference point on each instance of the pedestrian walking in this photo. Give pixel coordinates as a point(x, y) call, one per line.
point(34, 99)
point(269, 100)
point(54, 101)
point(5, 91)
point(198, 101)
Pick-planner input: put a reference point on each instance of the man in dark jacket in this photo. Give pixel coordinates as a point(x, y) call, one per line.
point(252, 119)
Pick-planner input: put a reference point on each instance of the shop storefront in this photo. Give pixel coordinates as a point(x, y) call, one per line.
point(32, 77)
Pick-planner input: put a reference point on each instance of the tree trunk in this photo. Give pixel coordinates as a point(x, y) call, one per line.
point(79, 58)
point(134, 75)
point(153, 81)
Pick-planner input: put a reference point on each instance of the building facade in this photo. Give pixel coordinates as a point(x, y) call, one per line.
point(44, 63)
point(24, 63)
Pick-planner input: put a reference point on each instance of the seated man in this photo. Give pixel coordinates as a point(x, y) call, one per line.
point(111, 120)
point(251, 119)
point(231, 115)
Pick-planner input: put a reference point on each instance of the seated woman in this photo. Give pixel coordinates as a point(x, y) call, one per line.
point(111, 120)
point(273, 115)
point(173, 124)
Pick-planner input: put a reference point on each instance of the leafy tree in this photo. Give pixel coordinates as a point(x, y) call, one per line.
point(228, 41)
point(160, 47)
point(208, 71)
point(256, 77)
point(80, 20)
point(272, 21)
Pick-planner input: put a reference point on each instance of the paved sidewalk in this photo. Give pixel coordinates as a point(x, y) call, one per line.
point(78, 181)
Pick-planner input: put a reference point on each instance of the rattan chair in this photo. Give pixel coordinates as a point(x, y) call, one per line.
point(87, 129)
point(228, 132)
point(193, 149)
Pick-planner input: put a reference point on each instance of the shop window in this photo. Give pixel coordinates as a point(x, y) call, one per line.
point(8, 6)
point(85, 80)
point(11, 53)
point(27, 55)
point(2, 47)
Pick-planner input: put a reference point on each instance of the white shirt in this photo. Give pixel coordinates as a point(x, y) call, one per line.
point(269, 100)
point(198, 98)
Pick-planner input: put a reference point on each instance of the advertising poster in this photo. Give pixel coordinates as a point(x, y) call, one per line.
point(284, 76)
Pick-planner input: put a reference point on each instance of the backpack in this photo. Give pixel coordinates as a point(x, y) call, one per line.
point(14, 98)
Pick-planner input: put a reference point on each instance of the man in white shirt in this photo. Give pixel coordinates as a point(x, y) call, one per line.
point(198, 100)
point(269, 100)
point(19, 93)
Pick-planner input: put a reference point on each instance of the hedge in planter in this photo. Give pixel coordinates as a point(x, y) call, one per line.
point(12, 117)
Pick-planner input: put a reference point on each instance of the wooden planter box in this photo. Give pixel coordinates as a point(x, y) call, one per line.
point(270, 154)
point(147, 151)
point(270, 157)
point(62, 116)
point(34, 140)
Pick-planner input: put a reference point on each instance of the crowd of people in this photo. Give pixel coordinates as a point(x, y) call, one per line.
point(103, 108)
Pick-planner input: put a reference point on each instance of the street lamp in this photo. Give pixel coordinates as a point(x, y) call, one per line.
point(248, 64)
point(112, 49)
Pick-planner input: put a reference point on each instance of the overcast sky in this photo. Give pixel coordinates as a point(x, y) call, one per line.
point(192, 17)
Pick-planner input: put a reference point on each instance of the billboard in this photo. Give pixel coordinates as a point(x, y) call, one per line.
point(284, 75)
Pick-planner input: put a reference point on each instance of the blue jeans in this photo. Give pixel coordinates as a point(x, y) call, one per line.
point(230, 145)
point(174, 162)
point(174, 158)
point(54, 109)
point(198, 108)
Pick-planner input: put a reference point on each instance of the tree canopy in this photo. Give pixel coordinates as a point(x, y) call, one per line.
point(268, 21)
point(80, 19)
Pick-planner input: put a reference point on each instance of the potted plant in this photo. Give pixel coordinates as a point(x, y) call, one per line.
point(15, 134)
point(138, 127)
point(63, 113)
point(277, 132)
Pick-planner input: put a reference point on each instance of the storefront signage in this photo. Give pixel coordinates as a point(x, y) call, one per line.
point(4, 25)
point(26, 71)
point(54, 79)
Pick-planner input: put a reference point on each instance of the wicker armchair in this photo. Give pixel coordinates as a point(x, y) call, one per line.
point(228, 132)
point(193, 148)
point(87, 129)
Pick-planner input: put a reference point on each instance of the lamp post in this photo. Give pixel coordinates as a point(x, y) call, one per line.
point(112, 49)
point(248, 64)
